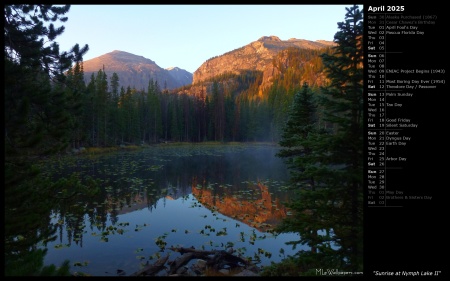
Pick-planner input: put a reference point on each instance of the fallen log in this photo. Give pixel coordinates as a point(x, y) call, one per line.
point(152, 269)
point(215, 259)
point(179, 262)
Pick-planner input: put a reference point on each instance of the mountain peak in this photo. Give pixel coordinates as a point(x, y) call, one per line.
point(270, 38)
point(128, 57)
point(134, 71)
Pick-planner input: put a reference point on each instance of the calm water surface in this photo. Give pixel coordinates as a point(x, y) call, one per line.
point(210, 197)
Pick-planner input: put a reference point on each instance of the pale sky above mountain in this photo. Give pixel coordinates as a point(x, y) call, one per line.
point(187, 35)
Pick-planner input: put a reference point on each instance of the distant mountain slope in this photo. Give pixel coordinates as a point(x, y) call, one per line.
point(257, 55)
point(136, 71)
point(182, 76)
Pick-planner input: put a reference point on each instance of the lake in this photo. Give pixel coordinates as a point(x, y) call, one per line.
point(207, 196)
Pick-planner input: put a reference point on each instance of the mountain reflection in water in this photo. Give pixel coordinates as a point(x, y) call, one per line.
point(254, 206)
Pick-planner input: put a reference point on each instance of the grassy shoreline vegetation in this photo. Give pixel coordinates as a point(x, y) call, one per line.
point(103, 150)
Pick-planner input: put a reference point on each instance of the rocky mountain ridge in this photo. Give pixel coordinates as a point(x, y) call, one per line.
point(136, 71)
point(257, 56)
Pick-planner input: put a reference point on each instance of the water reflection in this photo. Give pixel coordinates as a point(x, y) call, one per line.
point(189, 195)
point(254, 206)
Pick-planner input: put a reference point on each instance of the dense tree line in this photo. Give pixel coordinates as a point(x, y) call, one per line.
point(231, 108)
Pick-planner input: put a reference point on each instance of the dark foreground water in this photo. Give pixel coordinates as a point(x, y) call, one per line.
point(206, 196)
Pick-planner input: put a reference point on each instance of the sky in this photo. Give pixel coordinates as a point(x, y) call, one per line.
point(185, 36)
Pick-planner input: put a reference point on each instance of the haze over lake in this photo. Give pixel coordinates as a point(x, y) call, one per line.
point(206, 196)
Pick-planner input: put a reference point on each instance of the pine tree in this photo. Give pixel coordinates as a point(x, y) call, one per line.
point(36, 115)
point(327, 166)
point(76, 90)
point(102, 102)
point(218, 112)
point(299, 140)
point(114, 110)
point(343, 103)
point(155, 114)
point(174, 119)
point(37, 123)
point(300, 128)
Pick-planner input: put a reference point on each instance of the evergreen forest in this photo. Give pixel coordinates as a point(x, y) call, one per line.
point(313, 110)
